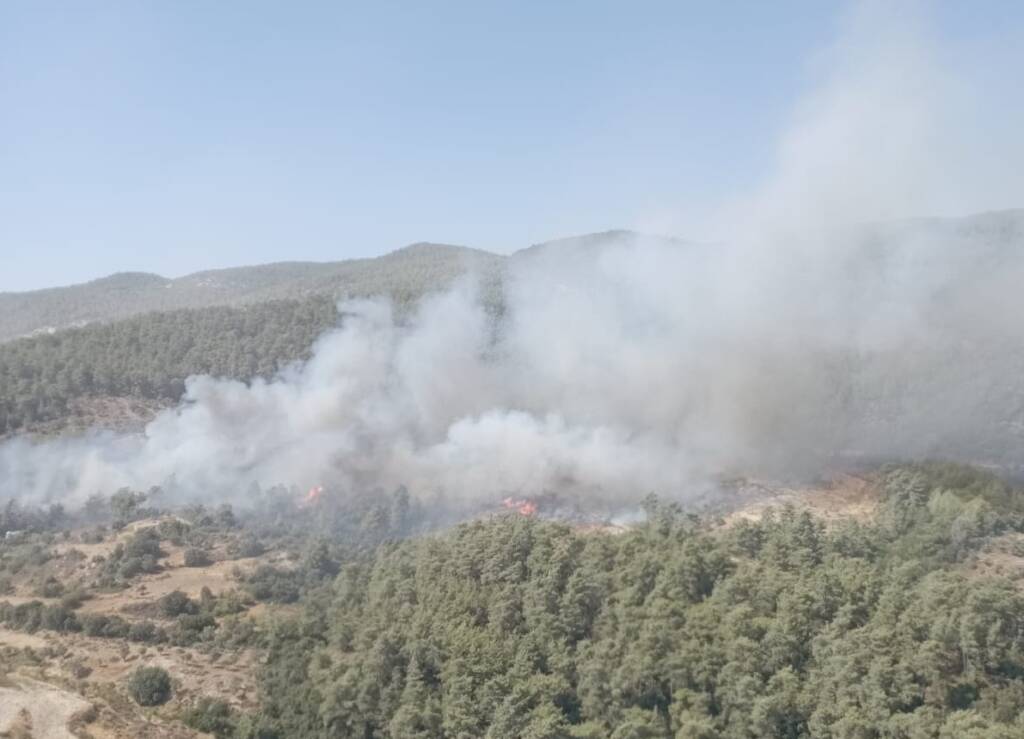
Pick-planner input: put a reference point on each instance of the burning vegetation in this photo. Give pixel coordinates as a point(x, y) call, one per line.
point(522, 506)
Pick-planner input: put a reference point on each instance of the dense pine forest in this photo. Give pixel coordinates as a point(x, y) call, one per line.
point(50, 377)
point(518, 628)
point(380, 621)
point(367, 614)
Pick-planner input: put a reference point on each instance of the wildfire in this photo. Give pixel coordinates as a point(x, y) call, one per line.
point(522, 506)
point(313, 495)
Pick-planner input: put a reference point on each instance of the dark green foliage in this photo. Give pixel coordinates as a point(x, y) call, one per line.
point(317, 564)
point(50, 588)
point(110, 627)
point(140, 553)
point(191, 628)
point(42, 378)
point(146, 632)
point(15, 517)
point(74, 599)
point(225, 517)
point(196, 557)
point(247, 546)
point(519, 628)
point(25, 556)
point(211, 716)
point(150, 686)
point(176, 603)
point(33, 616)
point(269, 583)
point(59, 618)
point(173, 530)
point(126, 506)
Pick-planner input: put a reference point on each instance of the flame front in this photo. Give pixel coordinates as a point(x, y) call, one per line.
point(314, 494)
point(522, 506)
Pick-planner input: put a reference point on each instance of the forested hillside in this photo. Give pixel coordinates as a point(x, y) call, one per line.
point(906, 624)
point(89, 375)
point(127, 353)
point(404, 275)
point(514, 628)
point(49, 378)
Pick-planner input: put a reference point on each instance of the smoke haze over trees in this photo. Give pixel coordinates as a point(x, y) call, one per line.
point(816, 330)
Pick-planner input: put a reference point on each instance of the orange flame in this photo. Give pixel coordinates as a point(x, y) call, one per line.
point(313, 495)
point(524, 507)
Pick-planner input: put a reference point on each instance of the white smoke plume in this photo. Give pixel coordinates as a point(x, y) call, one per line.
point(627, 365)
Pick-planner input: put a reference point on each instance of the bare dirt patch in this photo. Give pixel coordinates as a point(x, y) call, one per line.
point(1002, 556)
point(65, 675)
point(35, 709)
point(120, 414)
point(219, 577)
point(843, 497)
point(20, 640)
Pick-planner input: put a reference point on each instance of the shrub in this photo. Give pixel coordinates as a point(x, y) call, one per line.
point(93, 624)
point(268, 583)
point(116, 628)
point(247, 546)
point(225, 517)
point(188, 629)
point(27, 616)
point(126, 506)
point(74, 599)
point(143, 631)
point(150, 686)
point(230, 603)
point(145, 542)
point(59, 618)
point(235, 632)
point(131, 566)
point(51, 588)
point(79, 670)
point(94, 536)
point(173, 530)
point(196, 557)
point(140, 553)
point(177, 603)
point(210, 716)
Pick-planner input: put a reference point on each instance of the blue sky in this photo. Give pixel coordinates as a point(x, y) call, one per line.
point(176, 136)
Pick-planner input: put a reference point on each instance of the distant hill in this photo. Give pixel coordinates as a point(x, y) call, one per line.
point(404, 274)
point(408, 273)
point(118, 374)
point(578, 246)
point(112, 351)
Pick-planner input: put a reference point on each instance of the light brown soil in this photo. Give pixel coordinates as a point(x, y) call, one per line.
point(66, 673)
point(20, 640)
point(842, 498)
point(124, 415)
point(79, 671)
point(217, 577)
point(35, 709)
point(1003, 556)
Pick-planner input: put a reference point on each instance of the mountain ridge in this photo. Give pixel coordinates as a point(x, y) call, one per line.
point(404, 274)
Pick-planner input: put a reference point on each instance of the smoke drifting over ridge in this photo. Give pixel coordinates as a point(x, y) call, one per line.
point(633, 364)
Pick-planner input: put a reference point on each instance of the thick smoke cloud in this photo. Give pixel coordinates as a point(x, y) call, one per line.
point(616, 367)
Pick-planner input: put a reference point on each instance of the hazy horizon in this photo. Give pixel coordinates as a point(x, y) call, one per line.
point(504, 253)
point(174, 139)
